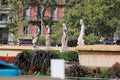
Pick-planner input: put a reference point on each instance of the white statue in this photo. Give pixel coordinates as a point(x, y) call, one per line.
point(48, 36)
point(81, 36)
point(64, 37)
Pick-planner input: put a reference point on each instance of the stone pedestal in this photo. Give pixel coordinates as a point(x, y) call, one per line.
point(63, 49)
point(98, 55)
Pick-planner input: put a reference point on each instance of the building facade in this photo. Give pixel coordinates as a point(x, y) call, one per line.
point(5, 35)
point(28, 35)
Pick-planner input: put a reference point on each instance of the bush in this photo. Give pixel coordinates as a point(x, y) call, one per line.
point(40, 61)
point(98, 72)
point(23, 61)
point(72, 43)
point(93, 72)
point(37, 62)
point(68, 55)
point(91, 39)
point(115, 70)
point(105, 73)
point(76, 71)
point(41, 40)
point(55, 39)
point(30, 51)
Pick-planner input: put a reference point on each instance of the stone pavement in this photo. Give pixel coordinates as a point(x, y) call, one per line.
point(29, 78)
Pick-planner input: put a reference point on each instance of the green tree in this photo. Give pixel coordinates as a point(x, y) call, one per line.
point(100, 16)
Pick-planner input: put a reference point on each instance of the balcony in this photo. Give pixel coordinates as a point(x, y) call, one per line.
point(3, 24)
point(5, 10)
point(26, 39)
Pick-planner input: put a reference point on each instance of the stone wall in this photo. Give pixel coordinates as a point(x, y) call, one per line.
point(13, 50)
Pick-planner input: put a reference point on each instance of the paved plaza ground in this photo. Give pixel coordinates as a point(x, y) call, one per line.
point(29, 78)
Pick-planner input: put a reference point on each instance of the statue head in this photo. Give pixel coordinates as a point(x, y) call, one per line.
point(64, 24)
point(64, 27)
point(81, 22)
point(47, 26)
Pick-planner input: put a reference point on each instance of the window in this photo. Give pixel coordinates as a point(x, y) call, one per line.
point(28, 14)
point(3, 2)
point(55, 14)
point(3, 17)
point(25, 30)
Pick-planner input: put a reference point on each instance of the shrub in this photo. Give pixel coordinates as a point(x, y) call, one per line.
point(76, 71)
point(23, 61)
point(30, 51)
point(115, 70)
point(40, 61)
point(105, 73)
point(98, 72)
point(72, 43)
point(41, 40)
point(91, 39)
point(68, 55)
point(55, 39)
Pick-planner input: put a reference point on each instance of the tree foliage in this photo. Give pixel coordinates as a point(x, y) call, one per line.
point(101, 17)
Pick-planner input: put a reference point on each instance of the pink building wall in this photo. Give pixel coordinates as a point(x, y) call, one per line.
point(47, 15)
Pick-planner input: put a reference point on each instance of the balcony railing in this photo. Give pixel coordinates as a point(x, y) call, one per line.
point(4, 22)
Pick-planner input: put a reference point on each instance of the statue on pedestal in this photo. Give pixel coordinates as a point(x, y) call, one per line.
point(11, 37)
point(81, 36)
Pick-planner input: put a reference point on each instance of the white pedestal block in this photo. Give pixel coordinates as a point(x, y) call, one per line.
point(58, 68)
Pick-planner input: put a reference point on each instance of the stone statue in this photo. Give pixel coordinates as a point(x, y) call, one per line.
point(81, 36)
point(10, 37)
point(64, 36)
point(48, 36)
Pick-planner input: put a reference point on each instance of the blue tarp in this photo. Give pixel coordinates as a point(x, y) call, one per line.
point(8, 69)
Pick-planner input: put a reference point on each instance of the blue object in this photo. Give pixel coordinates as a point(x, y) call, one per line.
point(8, 69)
